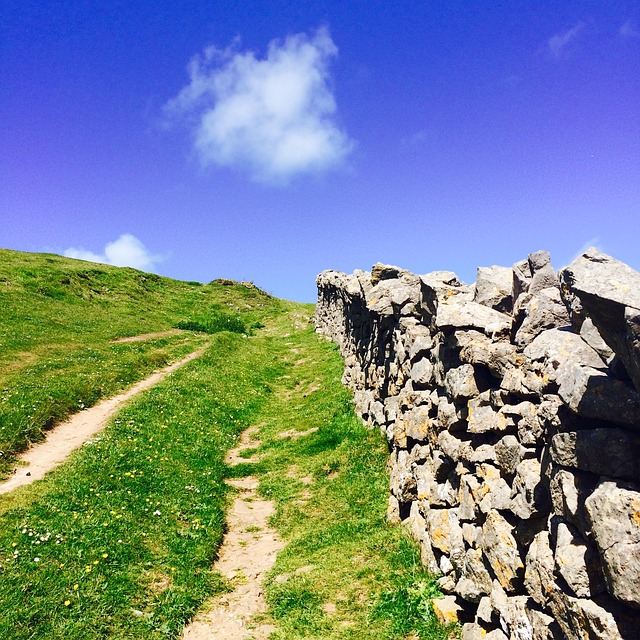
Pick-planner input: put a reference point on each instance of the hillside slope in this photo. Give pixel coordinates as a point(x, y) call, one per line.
point(60, 320)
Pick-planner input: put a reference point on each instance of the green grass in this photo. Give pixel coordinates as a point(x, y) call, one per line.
point(59, 318)
point(119, 541)
point(135, 518)
point(345, 573)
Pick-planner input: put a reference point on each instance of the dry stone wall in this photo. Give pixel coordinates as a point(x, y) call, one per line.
point(512, 412)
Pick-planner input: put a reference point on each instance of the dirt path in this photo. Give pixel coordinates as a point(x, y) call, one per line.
point(248, 551)
point(69, 435)
point(149, 336)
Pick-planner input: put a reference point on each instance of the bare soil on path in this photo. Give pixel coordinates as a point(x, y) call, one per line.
point(248, 551)
point(71, 434)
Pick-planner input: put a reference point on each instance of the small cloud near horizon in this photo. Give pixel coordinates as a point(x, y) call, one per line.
point(126, 251)
point(273, 117)
point(559, 42)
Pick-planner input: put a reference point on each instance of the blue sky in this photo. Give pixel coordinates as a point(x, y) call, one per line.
point(268, 141)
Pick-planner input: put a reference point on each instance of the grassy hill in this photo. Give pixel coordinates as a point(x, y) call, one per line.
point(59, 323)
point(119, 541)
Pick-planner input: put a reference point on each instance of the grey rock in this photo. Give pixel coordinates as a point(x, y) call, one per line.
point(444, 530)
point(422, 373)
point(445, 564)
point(525, 381)
point(556, 346)
point(393, 510)
point(613, 510)
point(483, 453)
point(580, 618)
point(540, 565)
point(420, 347)
point(590, 334)
point(544, 626)
point(539, 312)
point(509, 453)
point(494, 493)
point(477, 348)
point(453, 447)
point(576, 562)
point(417, 423)
point(501, 550)
point(475, 581)
point(609, 293)
point(450, 416)
point(569, 490)
point(521, 272)
point(471, 533)
point(484, 418)
point(460, 382)
point(611, 452)
point(484, 612)
point(593, 394)
point(530, 495)
point(494, 288)
point(542, 273)
point(453, 314)
point(469, 497)
point(381, 271)
point(526, 416)
point(403, 483)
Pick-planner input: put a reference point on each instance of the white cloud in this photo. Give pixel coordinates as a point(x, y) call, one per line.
point(275, 117)
point(126, 251)
point(560, 41)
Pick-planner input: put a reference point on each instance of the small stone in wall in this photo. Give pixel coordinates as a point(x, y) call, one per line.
point(494, 288)
point(501, 550)
point(576, 562)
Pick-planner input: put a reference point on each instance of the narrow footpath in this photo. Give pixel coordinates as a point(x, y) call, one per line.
point(63, 439)
point(248, 551)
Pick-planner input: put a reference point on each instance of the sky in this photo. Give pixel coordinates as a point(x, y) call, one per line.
point(268, 141)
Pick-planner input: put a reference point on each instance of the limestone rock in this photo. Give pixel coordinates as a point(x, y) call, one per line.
point(484, 418)
point(614, 512)
point(501, 550)
point(529, 493)
point(453, 314)
point(540, 568)
point(576, 562)
point(450, 416)
point(381, 271)
point(446, 609)
point(422, 373)
point(494, 288)
point(608, 452)
point(569, 490)
point(469, 497)
point(444, 530)
point(417, 423)
point(609, 293)
point(475, 580)
point(544, 627)
point(556, 346)
point(509, 454)
point(477, 348)
point(544, 310)
point(460, 382)
point(420, 347)
point(593, 394)
point(494, 492)
point(580, 618)
point(439, 286)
